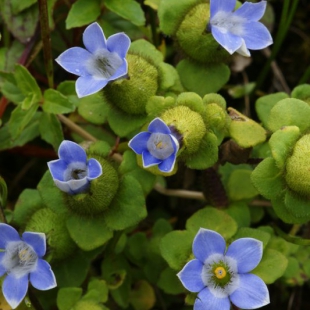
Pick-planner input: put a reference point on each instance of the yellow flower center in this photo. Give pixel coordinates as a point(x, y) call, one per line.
point(220, 272)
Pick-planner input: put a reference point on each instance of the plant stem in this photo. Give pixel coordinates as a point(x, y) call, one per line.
point(47, 48)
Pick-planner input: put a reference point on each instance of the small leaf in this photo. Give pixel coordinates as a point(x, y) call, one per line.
point(83, 12)
point(170, 283)
point(3, 193)
point(101, 287)
point(56, 103)
point(247, 232)
point(142, 296)
point(203, 79)
point(240, 212)
point(18, 6)
point(128, 9)
point(67, 297)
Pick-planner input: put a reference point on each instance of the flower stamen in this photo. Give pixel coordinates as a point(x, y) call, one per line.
point(220, 272)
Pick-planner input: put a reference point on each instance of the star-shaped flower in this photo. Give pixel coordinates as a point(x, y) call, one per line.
point(72, 172)
point(240, 30)
point(21, 259)
point(158, 146)
point(101, 62)
point(221, 276)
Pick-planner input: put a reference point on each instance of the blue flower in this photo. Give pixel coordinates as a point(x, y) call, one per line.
point(22, 261)
point(240, 30)
point(158, 146)
point(72, 173)
point(101, 62)
point(221, 276)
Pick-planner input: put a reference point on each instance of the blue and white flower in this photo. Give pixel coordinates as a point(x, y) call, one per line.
point(101, 62)
point(240, 30)
point(72, 172)
point(221, 276)
point(21, 259)
point(158, 146)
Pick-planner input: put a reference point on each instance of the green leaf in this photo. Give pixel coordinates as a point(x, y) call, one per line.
point(56, 103)
point(289, 112)
point(302, 92)
point(88, 233)
point(129, 166)
point(297, 206)
point(176, 248)
point(264, 105)
point(83, 12)
point(247, 232)
point(245, 131)
point(170, 283)
point(268, 179)
point(128, 206)
point(128, 9)
point(51, 130)
point(281, 143)
point(293, 268)
point(20, 119)
point(207, 154)
point(100, 286)
point(23, 25)
point(67, 88)
point(203, 79)
point(27, 204)
point(12, 55)
point(50, 8)
point(142, 296)
point(271, 267)
point(9, 88)
point(67, 297)
point(3, 193)
point(152, 3)
point(94, 109)
point(213, 219)
point(240, 186)
point(240, 212)
point(18, 6)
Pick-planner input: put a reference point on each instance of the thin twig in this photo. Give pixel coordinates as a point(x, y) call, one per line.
point(179, 193)
point(260, 203)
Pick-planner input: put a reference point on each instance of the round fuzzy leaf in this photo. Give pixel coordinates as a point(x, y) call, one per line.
point(281, 143)
point(240, 212)
point(240, 186)
point(271, 267)
point(67, 297)
point(203, 79)
point(289, 112)
point(247, 232)
point(144, 47)
point(94, 109)
point(268, 179)
point(213, 219)
point(176, 248)
point(297, 206)
point(264, 105)
point(302, 92)
point(142, 296)
point(169, 282)
point(245, 131)
point(128, 206)
point(88, 234)
point(207, 154)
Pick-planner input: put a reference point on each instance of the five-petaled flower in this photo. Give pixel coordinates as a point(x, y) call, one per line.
point(158, 146)
point(21, 259)
point(220, 276)
point(240, 30)
point(72, 172)
point(101, 62)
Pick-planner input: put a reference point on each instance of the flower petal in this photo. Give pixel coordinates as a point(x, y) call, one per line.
point(139, 141)
point(63, 186)
point(221, 5)
point(242, 50)
point(207, 301)
point(78, 186)
point(57, 168)
point(149, 160)
point(167, 164)
point(121, 72)
point(43, 277)
point(119, 43)
point(87, 85)
point(251, 11)
point(157, 125)
point(93, 38)
point(228, 40)
point(15, 289)
point(71, 152)
point(206, 243)
point(2, 268)
point(256, 36)
point(247, 252)
point(7, 234)
point(190, 276)
point(251, 294)
point(94, 169)
point(37, 241)
point(74, 59)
